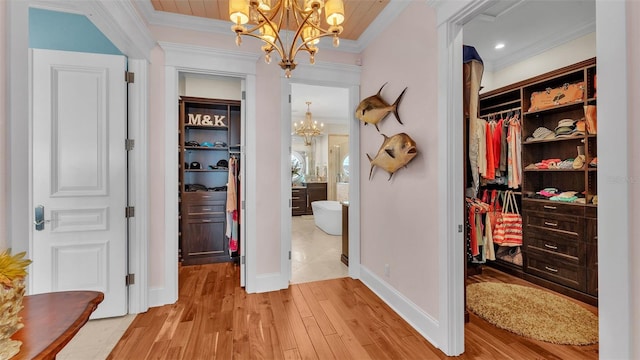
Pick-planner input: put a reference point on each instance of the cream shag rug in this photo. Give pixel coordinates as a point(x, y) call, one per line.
point(533, 313)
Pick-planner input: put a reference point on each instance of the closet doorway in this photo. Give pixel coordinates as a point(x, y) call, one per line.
point(319, 181)
point(505, 36)
point(217, 148)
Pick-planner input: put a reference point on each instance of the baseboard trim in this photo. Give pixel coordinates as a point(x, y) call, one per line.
point(158, 297)
point(270, 282)
point(422, 322)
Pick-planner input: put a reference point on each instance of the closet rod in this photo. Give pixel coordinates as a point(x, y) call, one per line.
point(501, 112)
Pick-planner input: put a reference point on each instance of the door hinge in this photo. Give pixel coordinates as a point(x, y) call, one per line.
point(242, 260)
point(244, 95)
point(459, 228)
point(289, 98)
point(129, 77)
point(289, 254)
point(242, 204)
point(130, 279)
point(290, 203)
point(129, 144)
point(129, 211)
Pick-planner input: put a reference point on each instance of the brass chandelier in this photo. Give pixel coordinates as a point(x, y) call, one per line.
point(308, 128)
point(302, 21)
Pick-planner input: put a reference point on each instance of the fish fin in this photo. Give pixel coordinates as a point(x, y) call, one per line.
point(379, 91)
point(395, 106)
point(390, 152)
point(371, 169)
point(376, 125)
point(390, 175)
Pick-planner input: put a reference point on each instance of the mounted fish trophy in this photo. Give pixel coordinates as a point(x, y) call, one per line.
point(374, 109)
point(396, 151)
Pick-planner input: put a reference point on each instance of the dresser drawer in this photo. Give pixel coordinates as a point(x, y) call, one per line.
point(556, 269)
point(555, 223)
point(553, 243)
point(552, 208)
point(299, 206)
point(204, 196)
point(206, 210)
point(206, 220)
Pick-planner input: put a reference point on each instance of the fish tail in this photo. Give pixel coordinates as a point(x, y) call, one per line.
point(395, 106)
point(371, 169)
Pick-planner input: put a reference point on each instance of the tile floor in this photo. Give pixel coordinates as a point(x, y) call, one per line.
point(315, 256)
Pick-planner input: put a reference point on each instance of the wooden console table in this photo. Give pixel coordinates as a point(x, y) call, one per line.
point(51, 320)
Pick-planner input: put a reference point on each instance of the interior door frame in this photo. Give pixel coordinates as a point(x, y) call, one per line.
point(331, 75)
point(20, 215)
point(614, 271)
point(193, 59)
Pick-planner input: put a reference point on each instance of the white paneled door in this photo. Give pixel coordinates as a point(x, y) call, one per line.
point(79, 174)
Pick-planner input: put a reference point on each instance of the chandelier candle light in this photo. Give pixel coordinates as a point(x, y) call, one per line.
point(308, 128)
point(302, 21)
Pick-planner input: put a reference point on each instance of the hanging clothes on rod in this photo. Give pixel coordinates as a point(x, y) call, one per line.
point(232, 207)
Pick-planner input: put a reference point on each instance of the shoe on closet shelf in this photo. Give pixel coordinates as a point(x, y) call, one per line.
point(578, 162)
point(594, 162)
point(566, 164)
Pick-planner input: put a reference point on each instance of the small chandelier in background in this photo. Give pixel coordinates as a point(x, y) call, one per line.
point(302, 21)
point(308, 128)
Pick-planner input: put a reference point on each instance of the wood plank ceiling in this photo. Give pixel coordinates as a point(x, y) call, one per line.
point(358, 13)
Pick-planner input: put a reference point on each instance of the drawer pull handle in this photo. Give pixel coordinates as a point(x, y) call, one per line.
point(550, 223)
point(206, 220)
point(206, 196)
point(550, 207)
point(551, 269)
point(296, 207)
point(295, 198)
point(551, 247)
point(206, 209)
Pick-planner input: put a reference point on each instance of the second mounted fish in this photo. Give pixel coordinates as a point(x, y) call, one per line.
point(394, 153)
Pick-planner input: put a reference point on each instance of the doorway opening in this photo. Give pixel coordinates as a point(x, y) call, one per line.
point(319, 182)
point(485, 33)
point(211, 169)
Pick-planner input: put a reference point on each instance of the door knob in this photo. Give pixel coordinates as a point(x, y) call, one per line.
point(39, 218)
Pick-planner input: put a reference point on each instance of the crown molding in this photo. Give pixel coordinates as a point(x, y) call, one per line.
point(540, 47)
point(117, 20)
point(194, 23)
point(381, 22)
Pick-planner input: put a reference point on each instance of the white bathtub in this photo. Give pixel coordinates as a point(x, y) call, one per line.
point(328, 216)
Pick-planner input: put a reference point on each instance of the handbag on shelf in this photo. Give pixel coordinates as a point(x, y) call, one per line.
point(512, 254)
point(508, 227)
point(565, 94)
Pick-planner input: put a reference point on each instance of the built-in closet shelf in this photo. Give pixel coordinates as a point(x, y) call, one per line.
point(554, 170)
point(556, 109)
point(203, 213)
point(569, 229)
point(205, 148)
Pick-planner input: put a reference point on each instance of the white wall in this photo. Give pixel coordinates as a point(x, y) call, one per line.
point(399, 217)
point(3, 130)
point(633, 135)
point(210, 86)
point(569, 53)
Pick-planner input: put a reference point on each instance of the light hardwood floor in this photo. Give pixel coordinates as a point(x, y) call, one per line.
point(333, 319)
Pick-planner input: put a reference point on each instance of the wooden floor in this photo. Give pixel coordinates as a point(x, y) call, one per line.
point(335, 319)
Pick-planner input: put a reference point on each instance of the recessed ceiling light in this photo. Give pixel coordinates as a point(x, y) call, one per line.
point(499, 46)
